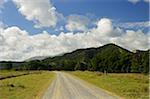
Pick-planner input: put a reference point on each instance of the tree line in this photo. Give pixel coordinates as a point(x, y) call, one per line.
point(108, 58)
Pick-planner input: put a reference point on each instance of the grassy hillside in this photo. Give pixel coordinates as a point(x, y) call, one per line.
point(128, 86)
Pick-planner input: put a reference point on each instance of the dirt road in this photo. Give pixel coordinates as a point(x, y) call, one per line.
point(66, 86)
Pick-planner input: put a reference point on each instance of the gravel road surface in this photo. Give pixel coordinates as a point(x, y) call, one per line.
point(66, 86)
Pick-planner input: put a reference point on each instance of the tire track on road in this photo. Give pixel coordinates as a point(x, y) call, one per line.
point(66, 86)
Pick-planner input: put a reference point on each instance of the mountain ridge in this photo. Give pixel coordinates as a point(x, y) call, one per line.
point(110, 58)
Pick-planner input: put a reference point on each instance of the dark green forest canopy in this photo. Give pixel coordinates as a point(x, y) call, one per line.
point(108, 58)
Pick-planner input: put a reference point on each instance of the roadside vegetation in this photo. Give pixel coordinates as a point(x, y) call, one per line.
point(10, 72)
point(126, 85)
point(4, 74)
point(30, 86)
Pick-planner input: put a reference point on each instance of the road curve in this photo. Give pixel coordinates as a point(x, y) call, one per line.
point(66, 86)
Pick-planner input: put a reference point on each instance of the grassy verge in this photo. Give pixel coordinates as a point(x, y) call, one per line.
point(9, 74)
point(30, 86)
point(128, 86)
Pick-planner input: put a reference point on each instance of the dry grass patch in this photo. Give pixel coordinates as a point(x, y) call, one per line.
point(129, 86)
point(30, 86)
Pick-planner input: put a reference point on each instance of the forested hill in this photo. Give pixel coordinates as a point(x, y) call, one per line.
point(108, 58)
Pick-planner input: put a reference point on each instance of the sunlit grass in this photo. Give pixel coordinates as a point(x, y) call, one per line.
point(30, 86)
point(129, 86)
point(9, 72)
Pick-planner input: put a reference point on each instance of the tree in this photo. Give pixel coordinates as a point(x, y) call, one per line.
point(81, 66)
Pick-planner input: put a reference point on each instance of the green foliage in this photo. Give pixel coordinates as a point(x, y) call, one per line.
point(8, 65)
point(140, 62)
point(108, 58)
point(81, 66)
point(35, 65)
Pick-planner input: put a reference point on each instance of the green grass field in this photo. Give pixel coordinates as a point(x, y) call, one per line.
point(127, 86)
point(30, 86)
point(10, 72)
point(5, 74)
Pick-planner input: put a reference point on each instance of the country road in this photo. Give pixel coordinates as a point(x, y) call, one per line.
point(66, 86)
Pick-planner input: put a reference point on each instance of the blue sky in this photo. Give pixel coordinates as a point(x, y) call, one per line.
point(30, 28)
point(117, 10)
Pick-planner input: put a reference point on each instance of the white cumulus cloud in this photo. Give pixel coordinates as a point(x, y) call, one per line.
point(17, 44)
point(41, 12)
point(106, 28)
point(77, 23)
